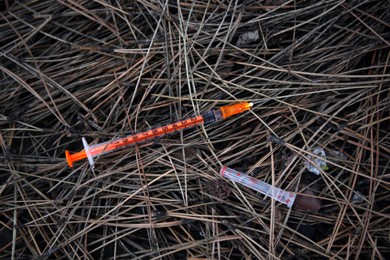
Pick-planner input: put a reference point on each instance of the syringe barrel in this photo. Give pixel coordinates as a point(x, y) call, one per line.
point(102, 148)
point(120, 143)
point(285, 197)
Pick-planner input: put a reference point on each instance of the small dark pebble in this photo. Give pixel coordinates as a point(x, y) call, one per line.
point(307, 203)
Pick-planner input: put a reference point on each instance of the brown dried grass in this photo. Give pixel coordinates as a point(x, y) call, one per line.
point(318, 75)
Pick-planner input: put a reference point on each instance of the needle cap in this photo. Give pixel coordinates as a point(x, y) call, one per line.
point(235, 109)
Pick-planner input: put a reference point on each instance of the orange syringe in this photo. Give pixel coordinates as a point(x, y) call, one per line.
point(208, 117)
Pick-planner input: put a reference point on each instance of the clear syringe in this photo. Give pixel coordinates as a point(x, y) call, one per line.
point(285, 197)
point(208, 117)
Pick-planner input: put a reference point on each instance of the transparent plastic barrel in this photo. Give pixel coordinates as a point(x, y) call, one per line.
point(285, 197)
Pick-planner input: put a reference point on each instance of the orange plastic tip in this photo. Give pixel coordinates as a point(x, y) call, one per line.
point(71, 158)
point(235, 109)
